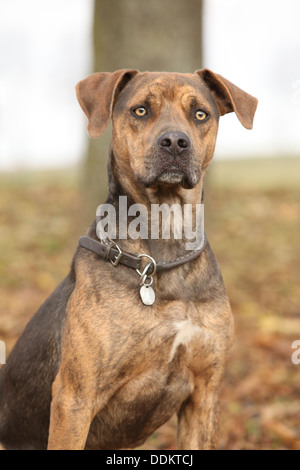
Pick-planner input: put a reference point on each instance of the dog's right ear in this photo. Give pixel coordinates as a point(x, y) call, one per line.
point(97, 94)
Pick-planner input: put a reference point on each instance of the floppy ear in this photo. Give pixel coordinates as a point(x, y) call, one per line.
point(230, 98)
point(96, 95)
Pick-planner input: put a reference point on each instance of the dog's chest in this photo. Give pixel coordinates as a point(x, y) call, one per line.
point(155, 374)
point(168, 337)
point(165, 365)
point(159, 378)
point(185, 332)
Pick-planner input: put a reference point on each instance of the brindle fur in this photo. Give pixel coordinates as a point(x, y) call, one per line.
point(111, 369)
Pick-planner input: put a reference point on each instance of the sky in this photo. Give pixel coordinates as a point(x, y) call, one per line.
point(45, 51)
point(256, 45)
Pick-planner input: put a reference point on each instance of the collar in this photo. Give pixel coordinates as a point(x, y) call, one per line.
point(110, 251)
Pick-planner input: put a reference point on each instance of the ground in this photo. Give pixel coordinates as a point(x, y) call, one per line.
point(252, 218)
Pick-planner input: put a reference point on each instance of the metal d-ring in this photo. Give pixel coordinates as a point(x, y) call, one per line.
point(153, 263)
point(147, 293)
point(144, 277)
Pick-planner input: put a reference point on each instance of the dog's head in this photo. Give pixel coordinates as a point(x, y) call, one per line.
point(164, 124)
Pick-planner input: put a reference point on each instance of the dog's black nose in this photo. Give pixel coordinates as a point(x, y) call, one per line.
point(174, 142)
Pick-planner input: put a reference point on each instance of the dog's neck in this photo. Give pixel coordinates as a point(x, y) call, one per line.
point(122, 182)
point(156, 202)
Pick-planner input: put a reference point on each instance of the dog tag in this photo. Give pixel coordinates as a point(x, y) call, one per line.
point(147, 295)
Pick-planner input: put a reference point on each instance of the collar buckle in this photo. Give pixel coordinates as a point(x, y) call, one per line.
point(118, 257)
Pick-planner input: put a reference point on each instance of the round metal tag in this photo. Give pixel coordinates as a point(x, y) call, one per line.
point(147, 295)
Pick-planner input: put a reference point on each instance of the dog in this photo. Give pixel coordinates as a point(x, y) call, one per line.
point(140, 329)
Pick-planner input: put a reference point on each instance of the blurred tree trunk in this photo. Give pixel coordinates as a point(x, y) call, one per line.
point(156, 35)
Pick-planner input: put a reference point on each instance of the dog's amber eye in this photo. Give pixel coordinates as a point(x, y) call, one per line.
point(201, 115)
point(140, 111)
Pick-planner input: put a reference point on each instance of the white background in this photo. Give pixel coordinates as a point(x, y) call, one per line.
point(45, 49)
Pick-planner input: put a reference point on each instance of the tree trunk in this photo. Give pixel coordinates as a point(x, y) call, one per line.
point(155, 35)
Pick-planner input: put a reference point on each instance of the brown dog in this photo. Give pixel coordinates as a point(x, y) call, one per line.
point(114, 369)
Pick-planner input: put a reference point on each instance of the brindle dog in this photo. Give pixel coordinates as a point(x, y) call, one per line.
point(96, 368)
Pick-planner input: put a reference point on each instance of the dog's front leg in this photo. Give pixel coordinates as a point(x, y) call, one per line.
point(198, 419)
point(70, 418)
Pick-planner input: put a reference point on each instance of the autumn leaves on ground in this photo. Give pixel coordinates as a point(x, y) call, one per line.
point(252, 212)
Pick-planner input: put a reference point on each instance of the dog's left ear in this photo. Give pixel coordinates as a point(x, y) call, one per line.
point(97, 94)
point(230, 98)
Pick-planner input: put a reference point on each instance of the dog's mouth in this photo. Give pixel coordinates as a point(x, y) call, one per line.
point(171, 175)
point(162, 171)
point(185, 177)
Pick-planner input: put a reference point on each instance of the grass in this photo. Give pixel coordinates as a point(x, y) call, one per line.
point(256, 174)
point(252, 210)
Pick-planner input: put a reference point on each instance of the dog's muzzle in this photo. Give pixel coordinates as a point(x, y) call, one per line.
point(175, 165)
point(171, 161)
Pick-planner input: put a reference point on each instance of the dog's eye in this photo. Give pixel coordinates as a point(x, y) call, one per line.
point(140, 111)
point(201, 115)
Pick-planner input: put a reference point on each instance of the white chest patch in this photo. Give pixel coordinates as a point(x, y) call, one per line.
point(185, 332)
